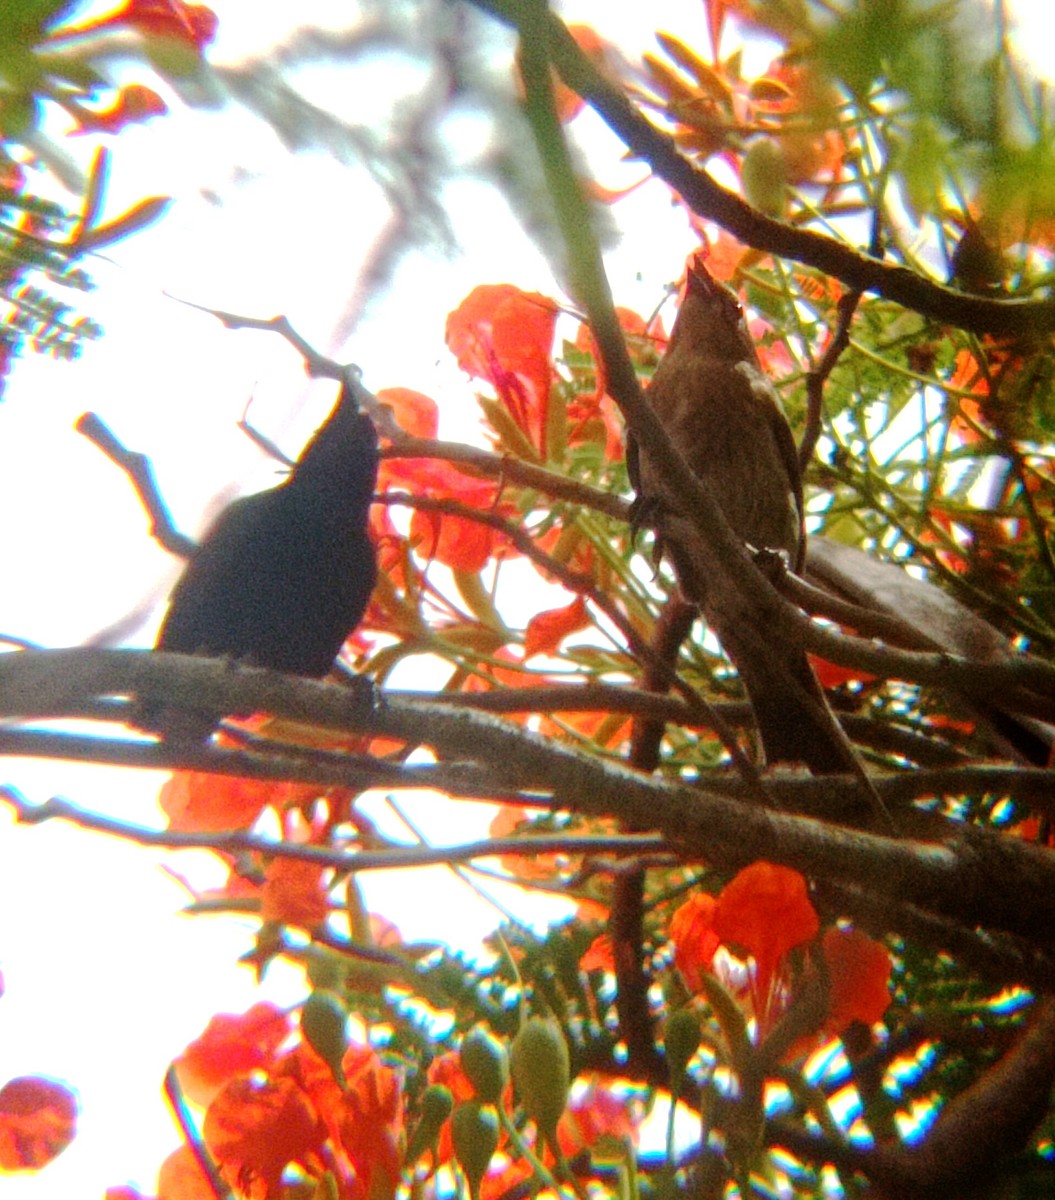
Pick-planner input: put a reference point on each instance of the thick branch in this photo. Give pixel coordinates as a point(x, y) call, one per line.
point(976, 877)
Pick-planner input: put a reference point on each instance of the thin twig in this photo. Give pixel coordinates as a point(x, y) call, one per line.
point(515, 470)
point(817, 378)
point(140, 472)
point(318, 365)
point(345, 861)
point(191, 1136)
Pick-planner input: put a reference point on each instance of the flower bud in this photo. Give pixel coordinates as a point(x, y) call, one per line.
point(436, 1105)
point(323, 1021)
point(681, 1040)
point(474, 1136)
point(763, 175)
point(485, 1064)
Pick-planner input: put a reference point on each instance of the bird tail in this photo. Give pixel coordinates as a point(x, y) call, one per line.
point(795, 722)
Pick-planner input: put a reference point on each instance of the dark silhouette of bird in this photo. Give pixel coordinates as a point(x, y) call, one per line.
point(284, 576)
point(721, 410)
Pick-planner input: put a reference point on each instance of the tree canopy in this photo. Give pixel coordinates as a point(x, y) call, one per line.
point(775, 982)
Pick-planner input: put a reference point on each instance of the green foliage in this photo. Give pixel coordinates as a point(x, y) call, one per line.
point(31, 265)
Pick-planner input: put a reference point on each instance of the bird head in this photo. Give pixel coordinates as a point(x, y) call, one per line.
point(711, 320)
point(341, 458)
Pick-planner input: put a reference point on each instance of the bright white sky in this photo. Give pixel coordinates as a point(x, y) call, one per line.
point(105, 982)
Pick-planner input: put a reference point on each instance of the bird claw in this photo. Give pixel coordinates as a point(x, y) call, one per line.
point(774, 563)
point(644, 513)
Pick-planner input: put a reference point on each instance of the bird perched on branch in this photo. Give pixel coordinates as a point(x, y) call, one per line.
point(722, 412)
point(284, 576)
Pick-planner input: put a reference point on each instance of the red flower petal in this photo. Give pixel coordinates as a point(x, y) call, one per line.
point(504, 335)
point(38, 1118)
point(415, 413)
point(695, 940)
point(254, 1129)
point(765, 911)
point(232, 1044)
point(859, 970)
point(455, 541)
point(294, 893)
point(546, 630)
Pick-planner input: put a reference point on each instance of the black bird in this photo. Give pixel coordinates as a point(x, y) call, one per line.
point(284, 576)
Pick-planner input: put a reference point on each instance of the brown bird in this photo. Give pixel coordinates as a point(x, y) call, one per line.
point(722, 412)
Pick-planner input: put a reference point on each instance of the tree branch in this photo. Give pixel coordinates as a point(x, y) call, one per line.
point(710, 200)
point(499, 466)
point(140, 472)
point(976, 877)
point(353, 861)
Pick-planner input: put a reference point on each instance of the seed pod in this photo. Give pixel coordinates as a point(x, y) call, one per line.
point(323, 1021)
point(436, 1106)
point(542, 1073)
point(681, 1040)
point(763, 175)
point(474, 1136)
point(485, 1063)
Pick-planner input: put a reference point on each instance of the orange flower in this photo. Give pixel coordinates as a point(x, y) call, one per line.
point(458, 542)
point(507, 821)
point(506, 1176)
point(294, 894)
point(447, 1070)
point(694, 938)
point(255, 1128)
point(546, 630)
point(455, 541)
point(38, 1119)
point(765, 912)
point(372, 1126)
point(133, 103)
point(198, 803)
point(364, 1121)
point(600, 956)
point(722, 253)
point(505, 336)
point(602, 1110)
point(859, 970)
point(968, 376)
point(415, 413)
point(193, 24)
point(181, 1177)
point(232, 1044)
